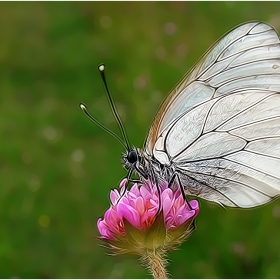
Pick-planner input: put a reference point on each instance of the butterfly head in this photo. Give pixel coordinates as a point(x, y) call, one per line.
point(134, 161)
point(130, 158)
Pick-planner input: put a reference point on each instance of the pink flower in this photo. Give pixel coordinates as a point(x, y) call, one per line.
point(134, 222)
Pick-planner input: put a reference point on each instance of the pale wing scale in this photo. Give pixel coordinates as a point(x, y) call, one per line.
point(236, 179)
point(233, 171)
point(231, 192)
point(218, 67)
point(225, 191)
point(267, 108)
point(256, 54)
point(248, 42)
point(269, 147)
point(267, 82)
point(260, 129)
point(222, 45)
point(229, 106)
point(199, 92)
point(236, 192)
point(267, 67)
point(211, 145)
point(219, 127)
point(188, 128)
point(265, 164)
point(261, 27)
point(162, 157)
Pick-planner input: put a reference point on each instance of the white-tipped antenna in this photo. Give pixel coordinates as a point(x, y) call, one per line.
point(123, 141)
point(84, 109)
point(101, 67)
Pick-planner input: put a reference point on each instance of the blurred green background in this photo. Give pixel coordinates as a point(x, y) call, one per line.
point(57, 167)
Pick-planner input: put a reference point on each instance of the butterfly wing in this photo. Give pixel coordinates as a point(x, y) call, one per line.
point(220, 126)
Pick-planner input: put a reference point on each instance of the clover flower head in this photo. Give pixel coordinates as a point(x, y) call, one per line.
point(134, 223)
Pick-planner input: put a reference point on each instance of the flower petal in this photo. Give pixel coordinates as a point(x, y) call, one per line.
point(103, 229)
point(130, 214)
point(123, 183)
point(114, 196)
point(139, 205)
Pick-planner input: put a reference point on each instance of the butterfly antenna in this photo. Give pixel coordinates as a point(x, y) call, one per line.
point(84, 108)
point(101, 69)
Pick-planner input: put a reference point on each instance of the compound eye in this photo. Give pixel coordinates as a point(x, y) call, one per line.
point(132, 157)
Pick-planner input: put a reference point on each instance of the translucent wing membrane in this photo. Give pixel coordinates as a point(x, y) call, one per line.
point(236, 157)
point(220, 126)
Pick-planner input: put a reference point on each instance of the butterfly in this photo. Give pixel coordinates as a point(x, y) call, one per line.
point(217, 133)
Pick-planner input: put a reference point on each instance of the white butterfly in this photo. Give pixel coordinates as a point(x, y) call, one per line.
point(217, 134)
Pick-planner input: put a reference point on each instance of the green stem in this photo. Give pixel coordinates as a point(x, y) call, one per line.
point(155, 262)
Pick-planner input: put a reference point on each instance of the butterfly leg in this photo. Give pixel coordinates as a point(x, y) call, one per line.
point(135, 181)
point(159, 199)
point(174, 176)
point(129, 180)
point(182, 191)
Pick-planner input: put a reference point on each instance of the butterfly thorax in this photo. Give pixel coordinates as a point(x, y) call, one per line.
point(146, 166)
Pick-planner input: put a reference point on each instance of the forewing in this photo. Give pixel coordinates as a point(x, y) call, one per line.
point(247, 57)
point(220, 127)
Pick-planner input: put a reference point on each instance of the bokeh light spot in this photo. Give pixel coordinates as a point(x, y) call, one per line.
point(238, 248)
point(105, 22)
point(170, 28)
point(181, 50)
point(276, 211)
point(44, 221)
point(275, 21)
point(26, 157)
point(78, 155)
point(50, 133)
point(140, 83)
point(34, 183)
point(160, 53)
